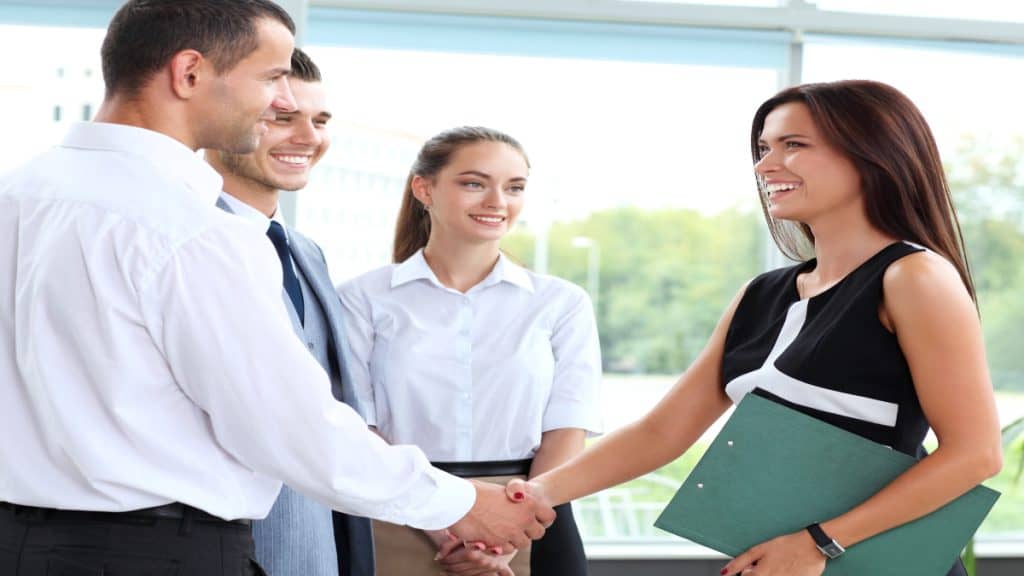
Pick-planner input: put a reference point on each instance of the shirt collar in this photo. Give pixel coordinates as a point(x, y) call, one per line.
point(416, 268)
point(159, 149)
point(253, 215)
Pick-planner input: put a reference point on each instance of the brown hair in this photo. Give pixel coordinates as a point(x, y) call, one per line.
point(303, 67)
point(145, 34)
point(412, 230)
point(888, 140)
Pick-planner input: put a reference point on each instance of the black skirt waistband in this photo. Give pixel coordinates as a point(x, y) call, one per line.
point(487, 468)
point(174, 511)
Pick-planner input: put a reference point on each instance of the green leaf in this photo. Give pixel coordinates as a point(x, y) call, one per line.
point(1013, 432)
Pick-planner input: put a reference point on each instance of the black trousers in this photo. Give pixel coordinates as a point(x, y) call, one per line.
point(120, 545)
point(560, 551)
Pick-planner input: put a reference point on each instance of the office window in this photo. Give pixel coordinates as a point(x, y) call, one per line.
point(641, 188)
point(994, 10)
point(971, 98)
point(46, 84)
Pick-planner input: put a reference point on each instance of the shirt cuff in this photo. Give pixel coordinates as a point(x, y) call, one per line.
point(452, 499)
point(572, 415)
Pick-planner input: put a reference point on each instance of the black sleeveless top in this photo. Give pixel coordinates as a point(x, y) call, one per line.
point(828, 356)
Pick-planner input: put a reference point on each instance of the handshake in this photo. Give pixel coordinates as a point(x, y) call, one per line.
point(501, 521)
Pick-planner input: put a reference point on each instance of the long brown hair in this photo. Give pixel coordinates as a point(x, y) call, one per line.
point(888, 140)
point(412, 230)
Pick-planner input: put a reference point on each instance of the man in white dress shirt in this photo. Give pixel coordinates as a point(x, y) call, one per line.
point(152, 391)
point(299, 537)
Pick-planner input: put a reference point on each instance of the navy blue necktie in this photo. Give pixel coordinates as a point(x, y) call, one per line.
point(291, 282)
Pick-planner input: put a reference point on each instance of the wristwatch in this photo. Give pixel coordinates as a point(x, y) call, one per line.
point(826, 545)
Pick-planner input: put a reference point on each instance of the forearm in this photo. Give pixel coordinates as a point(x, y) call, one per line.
point(621, 456)
point(556, 448)
point(928, 485)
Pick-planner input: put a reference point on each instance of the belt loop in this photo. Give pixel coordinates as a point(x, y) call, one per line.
point(186, 522)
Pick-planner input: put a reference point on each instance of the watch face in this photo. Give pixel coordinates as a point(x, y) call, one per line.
point(832, 550)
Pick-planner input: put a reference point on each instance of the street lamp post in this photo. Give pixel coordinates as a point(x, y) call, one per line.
point(593, 265)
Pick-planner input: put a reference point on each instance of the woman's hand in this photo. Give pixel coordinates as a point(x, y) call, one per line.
point(790, 555)
point(519, 490)
point(458, 558)
point(471, 561)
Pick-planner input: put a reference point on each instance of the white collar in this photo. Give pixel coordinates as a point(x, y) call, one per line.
point(416, 268)
point(253, 215)
point(161, 150)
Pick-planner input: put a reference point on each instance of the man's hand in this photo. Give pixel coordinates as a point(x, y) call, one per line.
point(497, 522)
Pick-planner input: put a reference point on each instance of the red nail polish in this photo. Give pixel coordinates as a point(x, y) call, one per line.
point(518, 495)
point(723, 571)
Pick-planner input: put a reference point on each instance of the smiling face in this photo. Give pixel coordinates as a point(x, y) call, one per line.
point(294, 142)
point(478, 196)
point(804, 176)
point(239, 102)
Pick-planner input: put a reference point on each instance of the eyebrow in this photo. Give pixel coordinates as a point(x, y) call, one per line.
point(487, 176)
point(325, 115)
point(786, 137)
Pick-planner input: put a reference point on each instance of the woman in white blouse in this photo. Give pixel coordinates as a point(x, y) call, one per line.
point(491, 369)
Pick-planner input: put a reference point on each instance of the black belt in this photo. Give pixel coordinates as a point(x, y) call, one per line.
point(174, 511)
point(489, 468)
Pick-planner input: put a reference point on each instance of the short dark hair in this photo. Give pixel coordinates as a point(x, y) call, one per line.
point(145, 34)
point(303, 67)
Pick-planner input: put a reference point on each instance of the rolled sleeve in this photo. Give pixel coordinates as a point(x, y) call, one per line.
point(576, 386)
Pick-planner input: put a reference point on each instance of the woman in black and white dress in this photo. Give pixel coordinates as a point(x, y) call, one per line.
point(876, 331)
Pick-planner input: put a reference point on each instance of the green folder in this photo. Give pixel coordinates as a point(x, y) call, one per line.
point(773, 470)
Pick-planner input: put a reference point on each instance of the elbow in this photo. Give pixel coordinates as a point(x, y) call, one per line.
point(984, 462)
point(990, 462)
point(978, 463)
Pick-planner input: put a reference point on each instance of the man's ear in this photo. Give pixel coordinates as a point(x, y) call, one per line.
point(187, 70)
point(421, 190)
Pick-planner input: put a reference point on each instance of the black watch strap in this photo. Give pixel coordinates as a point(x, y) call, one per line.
point(826, 545)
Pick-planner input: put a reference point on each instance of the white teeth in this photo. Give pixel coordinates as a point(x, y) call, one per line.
point(297, 160)
point(489, 219)
point(772, 188)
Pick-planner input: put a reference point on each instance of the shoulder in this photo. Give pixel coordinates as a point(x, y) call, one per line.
point(922, 277)
point(557, 290)
point(376, 281)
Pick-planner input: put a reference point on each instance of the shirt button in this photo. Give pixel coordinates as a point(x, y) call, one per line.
point(310, 345)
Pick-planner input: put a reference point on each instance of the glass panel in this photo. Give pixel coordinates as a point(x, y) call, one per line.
point(641, 191)
point(995, 10)
point(972, 102)
point(715, 2)
point(43, 94)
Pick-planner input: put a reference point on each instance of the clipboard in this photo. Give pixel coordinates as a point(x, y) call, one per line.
point(773, 470)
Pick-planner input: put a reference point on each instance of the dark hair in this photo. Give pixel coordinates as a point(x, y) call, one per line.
point(412, 230)
point(303, 67)
point(145, 34)
point(889, 142)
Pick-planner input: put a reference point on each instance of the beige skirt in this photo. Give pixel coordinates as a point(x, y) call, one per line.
point(405, 551)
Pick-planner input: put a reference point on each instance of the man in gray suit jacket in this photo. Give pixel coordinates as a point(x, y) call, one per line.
point(299, 537)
